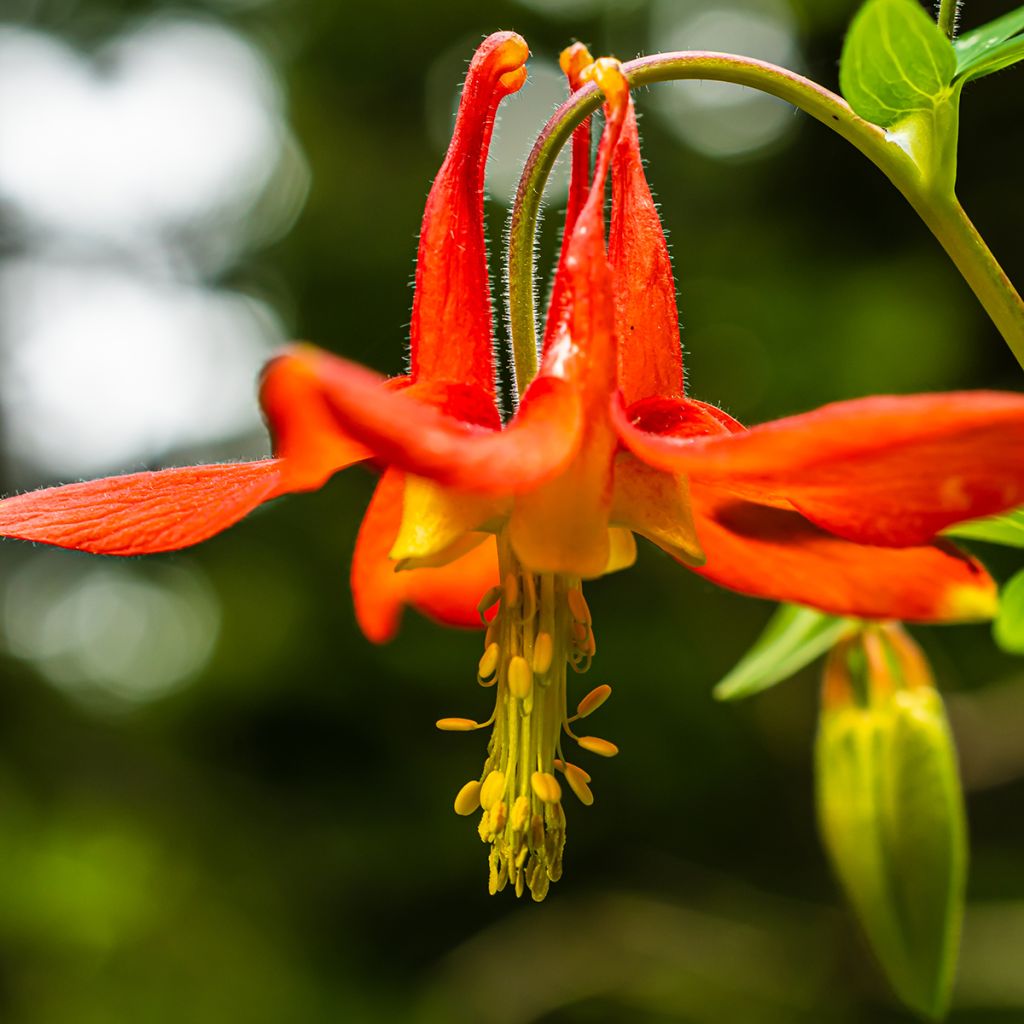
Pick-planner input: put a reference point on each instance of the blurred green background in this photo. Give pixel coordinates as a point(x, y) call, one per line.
point(217, 801)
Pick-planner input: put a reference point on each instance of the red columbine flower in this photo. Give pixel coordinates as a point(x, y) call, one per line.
point(837, 509)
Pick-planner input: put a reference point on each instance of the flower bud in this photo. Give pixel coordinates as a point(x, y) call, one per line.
point(891, 810)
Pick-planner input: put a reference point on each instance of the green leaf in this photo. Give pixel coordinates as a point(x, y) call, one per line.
point(1007, 529)
point(896, 62)
point(1008, 629)
point(892, 817)
point(793, 638)
point(973, 49)
point(996, 59)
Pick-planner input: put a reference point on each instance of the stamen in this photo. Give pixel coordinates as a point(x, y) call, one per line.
point(593, 700)
point(596, 745)
point(542, 626)
point(467, 800)
point(486, 670)
point(520, 678)
point(458, 724)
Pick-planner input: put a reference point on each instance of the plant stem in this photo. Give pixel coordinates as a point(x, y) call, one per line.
point(942, 214)
point(948, 10)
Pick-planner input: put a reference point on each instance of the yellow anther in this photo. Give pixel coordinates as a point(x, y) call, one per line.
point(499, 815)
point(467, 800)
point(537, 831)
point(546, 786)
point(487, 602)
point(596, 745)
point(457, 724)
point(543, 651)
point(521, 814)
point(510, 591)
point(578, 606)
point(492, 789)
point(567, 766)
point(593, 700)
point(578, 779)
point(488, 664)
point(520, 678)
point(484, 828)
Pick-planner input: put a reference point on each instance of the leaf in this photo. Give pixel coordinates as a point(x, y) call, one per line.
point(896, 61)
point(975, 47)
point(1007, 529)
point(891, 813)
point(996, 59)
point(1008, 629)
point(793, 638)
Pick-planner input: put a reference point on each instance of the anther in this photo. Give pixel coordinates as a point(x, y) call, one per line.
point(578, 779)
point(578, 606)
point(546, 786)
point(566, 766)
point(488, 665)
point(596, 745)
point(467, 800)
point(511, 590)
point(520, 678)
point(457, 724)
point(499, 815)
point(521, 814)
point(593, 700)
point(543, 652)
point(487, 602)
point(492, 789)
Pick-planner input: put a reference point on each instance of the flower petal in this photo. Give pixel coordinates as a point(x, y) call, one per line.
point(142, 513)
point(448, 594)
point(646, 316)
point(777, 554)
point(435, 440)
point(451, 335)
point(572, 60)
point(889, 470)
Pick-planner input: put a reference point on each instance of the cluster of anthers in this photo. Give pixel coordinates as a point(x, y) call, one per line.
point(541, 627)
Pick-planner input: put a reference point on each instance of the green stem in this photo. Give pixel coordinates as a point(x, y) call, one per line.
point(947, 16)
point(942, 214)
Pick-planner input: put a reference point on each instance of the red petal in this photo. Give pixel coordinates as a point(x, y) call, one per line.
point(144, 512)
point(646, 317)
point(448, 594)
point(884, 470)
point(436, 442)
point(573, 60)
point(779, 555)
point(451, 335)
point(307, 437)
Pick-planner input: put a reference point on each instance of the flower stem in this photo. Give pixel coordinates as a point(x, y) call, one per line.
point(942, 213)
point(948, 10)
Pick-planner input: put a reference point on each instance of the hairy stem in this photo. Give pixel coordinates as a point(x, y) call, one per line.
point(947, 16)
point(941, 213)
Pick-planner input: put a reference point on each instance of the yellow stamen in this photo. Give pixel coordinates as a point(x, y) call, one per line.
point(578, 779)
point(596, 745)
point(488, 665)
point(546, 786)
point(520, 678)
point(467, 800)
point(593, 700)
point(491, 790)
point(543, 652)
point(457, 724)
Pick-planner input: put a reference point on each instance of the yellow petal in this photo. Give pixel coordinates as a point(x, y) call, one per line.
point(657, 506)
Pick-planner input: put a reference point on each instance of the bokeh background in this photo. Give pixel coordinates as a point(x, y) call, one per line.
point(217, 801)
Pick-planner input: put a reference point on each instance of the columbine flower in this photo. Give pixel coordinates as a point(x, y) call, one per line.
point(836, 509)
